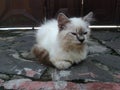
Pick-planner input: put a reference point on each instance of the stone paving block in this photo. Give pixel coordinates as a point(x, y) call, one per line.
point(4, 44)
point(14, 84)
point(115, 45)
point(105, 35)
point(23, 43)
point(26, 84)
point(86, 71)
point(111, 61)
point(102, 86)
point(4, 76)
point(110, 39)
point(1, 82)
point(10, 65)
point(95, 47)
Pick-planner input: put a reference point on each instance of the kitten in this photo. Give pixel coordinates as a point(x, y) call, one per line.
point(63, 42)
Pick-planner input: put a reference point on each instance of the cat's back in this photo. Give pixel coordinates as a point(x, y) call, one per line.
point(47, 33)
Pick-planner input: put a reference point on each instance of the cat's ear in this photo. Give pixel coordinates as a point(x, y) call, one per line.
point(89, 17)
point(62, 20)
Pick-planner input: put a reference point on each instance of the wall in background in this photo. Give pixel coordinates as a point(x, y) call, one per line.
point(33, 12)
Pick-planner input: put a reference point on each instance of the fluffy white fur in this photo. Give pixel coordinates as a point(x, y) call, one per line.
point(47, 37)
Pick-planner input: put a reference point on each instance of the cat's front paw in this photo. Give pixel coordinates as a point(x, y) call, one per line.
point(62, 64)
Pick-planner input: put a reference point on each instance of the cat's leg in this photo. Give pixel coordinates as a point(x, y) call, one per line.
point(62, 64)
point(41, 54)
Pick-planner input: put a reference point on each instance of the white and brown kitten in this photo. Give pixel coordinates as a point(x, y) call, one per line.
point(63, 42)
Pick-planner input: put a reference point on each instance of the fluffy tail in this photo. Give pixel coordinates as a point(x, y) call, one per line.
point(42, 55)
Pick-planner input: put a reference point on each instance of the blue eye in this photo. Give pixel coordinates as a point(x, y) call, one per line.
point(85, 33)
point(73, 33)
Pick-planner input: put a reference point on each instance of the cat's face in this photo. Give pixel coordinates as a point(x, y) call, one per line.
point(74, 30)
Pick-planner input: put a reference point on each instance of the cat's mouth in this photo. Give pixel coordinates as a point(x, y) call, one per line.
point(80, 43)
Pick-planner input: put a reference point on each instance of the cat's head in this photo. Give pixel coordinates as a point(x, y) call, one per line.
point(74, 30)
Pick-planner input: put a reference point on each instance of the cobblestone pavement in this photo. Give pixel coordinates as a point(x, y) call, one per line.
point(100, 71)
